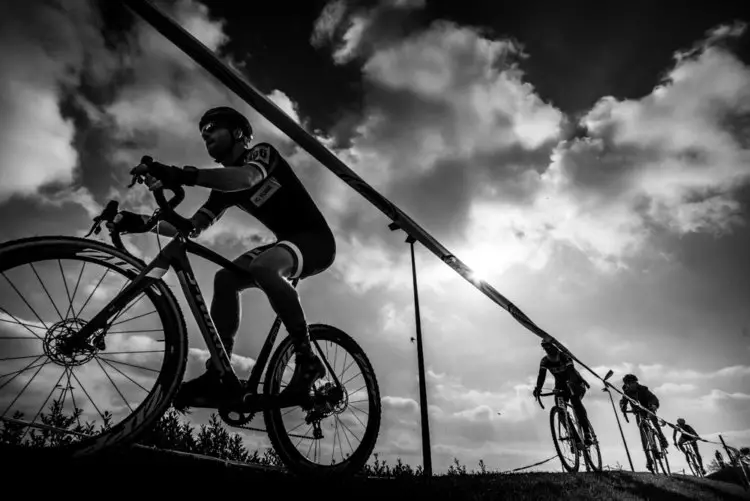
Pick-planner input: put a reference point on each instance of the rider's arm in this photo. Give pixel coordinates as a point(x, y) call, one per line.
point(623, 403)
point(231, 178)
point(674, 435)
point(541, 376)
point(211, 210)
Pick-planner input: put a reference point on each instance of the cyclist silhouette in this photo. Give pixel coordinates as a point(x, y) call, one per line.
point(567, 379)
point(259, 181)
point(683, 428)
point(647, 399)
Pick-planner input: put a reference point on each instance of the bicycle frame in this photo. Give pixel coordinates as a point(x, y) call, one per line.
point(564, 405)
point(174, 255)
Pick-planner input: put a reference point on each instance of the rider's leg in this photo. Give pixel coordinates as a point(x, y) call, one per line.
point(271, 271)
point(206, 389)
point(694, 444)
point(577, 393)
point(226, 308)
point(644, 443)
point(662, 438)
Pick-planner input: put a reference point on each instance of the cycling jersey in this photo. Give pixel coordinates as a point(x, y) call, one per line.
point(282, 204)
point(280, 201)
point(686, 428)
point(562, 369)
point(640, 394)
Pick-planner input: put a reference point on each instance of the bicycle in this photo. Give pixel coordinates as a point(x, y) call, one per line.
point(561, 422)
point(691, 457)
point(77, 344)
point(656, 455)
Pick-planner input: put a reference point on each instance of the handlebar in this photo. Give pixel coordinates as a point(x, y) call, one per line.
point(165, 212)
point(549, 393)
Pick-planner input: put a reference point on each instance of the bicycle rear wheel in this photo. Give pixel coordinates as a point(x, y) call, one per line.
point(347, 418)
point(103, 393)
point(658, 454)
point(592, 454)
point(692, 463)
point(565, 439)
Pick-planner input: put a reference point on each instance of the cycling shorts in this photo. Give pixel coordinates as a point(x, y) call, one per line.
point(312, 252)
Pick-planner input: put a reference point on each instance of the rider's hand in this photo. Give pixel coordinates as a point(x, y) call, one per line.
point(128, 222)
point(159, 175)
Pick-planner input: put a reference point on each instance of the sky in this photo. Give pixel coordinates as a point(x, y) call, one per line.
point(592, 165)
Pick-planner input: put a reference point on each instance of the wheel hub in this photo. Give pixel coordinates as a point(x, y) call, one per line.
point(60, 348)
point(329, 399)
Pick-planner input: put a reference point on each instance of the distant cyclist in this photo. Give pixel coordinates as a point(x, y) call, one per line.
point(691, 440)
point(567, 379)
point(261, 183)
point(645, 398)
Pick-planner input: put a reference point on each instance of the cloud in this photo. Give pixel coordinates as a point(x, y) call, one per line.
point(355, 29)
point(45, 51)
point(672, 388)
point(454, 135)
point(451, 133)
point(239, 362)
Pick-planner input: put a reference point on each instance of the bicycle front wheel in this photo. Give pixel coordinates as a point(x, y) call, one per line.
point(336, 436)
point(59, 399)
point(565, 439)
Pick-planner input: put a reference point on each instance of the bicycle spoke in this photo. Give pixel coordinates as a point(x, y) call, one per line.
point(344, 383)
point(72, 396)
point(24, 300)
point(113, 384)
point(89, 396)
point(136, 351)
point(46, 291)
point(125, 375)
point(65, 283)
point(346, 428)
point(129, 365)
point(134, 318)
point(43, 404)
point(354, 407)
point(134, 332)
point(303, 436)
point(22, 370)
point(70, 308)
point(92, 293)
point(21, 323)
point(22, 391)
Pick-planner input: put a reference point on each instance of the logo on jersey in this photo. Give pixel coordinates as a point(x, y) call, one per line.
point(261, 152)
point(266, 190)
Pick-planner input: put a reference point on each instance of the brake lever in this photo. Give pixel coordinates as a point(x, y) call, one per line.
point(108, 214)
point(139, 178)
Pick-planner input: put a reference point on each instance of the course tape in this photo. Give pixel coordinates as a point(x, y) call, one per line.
point(532, 465)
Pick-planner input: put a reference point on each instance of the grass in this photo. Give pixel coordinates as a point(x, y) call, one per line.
point(145, 470)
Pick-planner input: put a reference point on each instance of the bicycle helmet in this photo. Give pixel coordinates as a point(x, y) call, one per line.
point(227, 116)
point(629, 378)
point(547, 344)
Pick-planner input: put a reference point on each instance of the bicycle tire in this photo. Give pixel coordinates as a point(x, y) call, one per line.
point(658, 454)
point(692, 463)
point(649, 448)
point(279, 437)
point(139, 420)
point(558, 413)
point(594, 465)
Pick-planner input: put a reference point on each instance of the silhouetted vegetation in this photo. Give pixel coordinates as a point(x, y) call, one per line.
point(213, 439)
